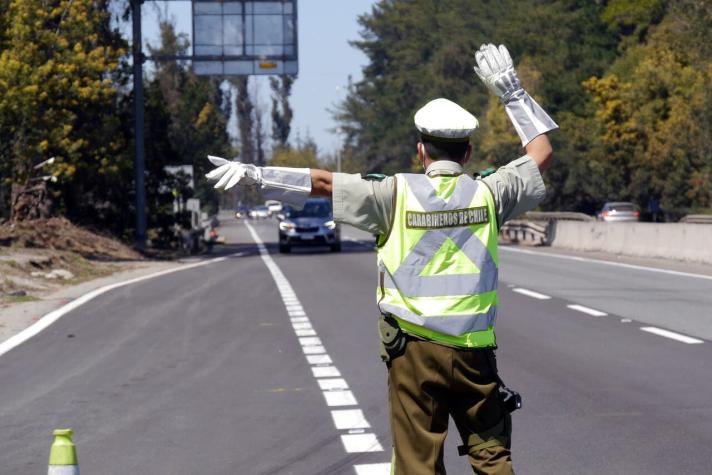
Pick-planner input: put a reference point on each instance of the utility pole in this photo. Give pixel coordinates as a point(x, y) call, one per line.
point(139, 165)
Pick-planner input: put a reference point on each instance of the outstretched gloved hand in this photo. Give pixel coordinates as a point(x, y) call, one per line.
point(496, 70)
point(230, 173)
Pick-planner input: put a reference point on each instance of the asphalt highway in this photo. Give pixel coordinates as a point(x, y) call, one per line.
point(263, 363)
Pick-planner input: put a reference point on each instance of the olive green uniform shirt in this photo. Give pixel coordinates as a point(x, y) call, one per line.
point(368, 204)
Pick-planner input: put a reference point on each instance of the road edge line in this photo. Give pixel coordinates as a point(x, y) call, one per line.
point(51, 317)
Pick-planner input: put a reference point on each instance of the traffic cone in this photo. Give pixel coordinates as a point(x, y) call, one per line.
point(63, 455)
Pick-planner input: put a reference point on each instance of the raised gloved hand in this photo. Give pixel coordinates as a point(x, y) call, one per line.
point(230, 173)
point(495, 69)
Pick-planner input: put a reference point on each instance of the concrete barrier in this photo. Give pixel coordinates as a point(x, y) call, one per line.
point(690, 242)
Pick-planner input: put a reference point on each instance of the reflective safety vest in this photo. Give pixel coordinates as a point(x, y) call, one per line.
point(438, 266)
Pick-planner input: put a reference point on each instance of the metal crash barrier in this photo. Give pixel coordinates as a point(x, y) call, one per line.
point(535, 227)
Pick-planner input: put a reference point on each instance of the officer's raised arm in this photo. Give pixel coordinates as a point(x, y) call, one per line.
point(496, 70)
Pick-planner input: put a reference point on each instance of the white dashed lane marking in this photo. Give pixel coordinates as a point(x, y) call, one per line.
point(349, 419)
point(339, 398)
point(589, 311)
point(373, 469)
point(334, 388)
point(672, 335)
point(531, 293)
point(361, 443)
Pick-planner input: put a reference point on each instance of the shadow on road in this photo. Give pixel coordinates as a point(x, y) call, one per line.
point(251, 249)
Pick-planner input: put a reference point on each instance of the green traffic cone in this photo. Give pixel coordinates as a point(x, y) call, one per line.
point(62, 454)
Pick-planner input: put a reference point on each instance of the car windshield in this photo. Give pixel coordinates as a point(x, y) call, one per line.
point(318, 209)
point(261, 208)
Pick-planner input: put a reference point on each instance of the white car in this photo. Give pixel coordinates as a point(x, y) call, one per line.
point(274, 206)
point(259, 212)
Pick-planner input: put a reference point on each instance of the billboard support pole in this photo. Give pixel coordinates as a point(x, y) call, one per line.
point(139, 164)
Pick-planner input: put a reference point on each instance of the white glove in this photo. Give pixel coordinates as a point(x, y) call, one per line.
point(230, 173)
point(497, 72)
point(290, 185)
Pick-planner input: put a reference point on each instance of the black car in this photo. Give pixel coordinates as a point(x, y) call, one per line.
point(312, 225)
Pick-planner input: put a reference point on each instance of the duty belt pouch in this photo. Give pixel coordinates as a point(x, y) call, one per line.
point(393, 340)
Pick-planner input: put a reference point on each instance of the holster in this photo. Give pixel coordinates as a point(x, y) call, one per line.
point(510, 398)
point(393, 339)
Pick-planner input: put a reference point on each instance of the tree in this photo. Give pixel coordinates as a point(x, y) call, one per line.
point(58, 67)
point(304, 155)
point(281, 110)
point(245, 119)
point(186, 119)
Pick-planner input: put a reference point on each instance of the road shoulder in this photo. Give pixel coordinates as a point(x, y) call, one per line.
point(16, 316)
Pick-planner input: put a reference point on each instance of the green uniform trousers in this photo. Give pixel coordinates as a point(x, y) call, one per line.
point(428, 383)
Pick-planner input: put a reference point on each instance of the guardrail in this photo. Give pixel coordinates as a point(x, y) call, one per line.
point(556, 215)
point(697, 219)
point(519, 230)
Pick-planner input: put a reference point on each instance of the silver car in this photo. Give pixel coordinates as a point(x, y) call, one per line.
point(260, 212)
point(619, 211)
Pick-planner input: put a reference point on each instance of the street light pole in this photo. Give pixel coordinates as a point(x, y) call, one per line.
point(139, 165)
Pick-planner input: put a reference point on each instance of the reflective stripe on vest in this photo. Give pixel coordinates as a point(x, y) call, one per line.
point(439, 265)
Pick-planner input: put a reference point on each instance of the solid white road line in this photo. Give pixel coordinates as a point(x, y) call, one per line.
point(373, 469)
point(530, 293)
point(349, 419)
point(361, 443)
point(607, 263)
point(590, 311)
point(672, 335)
point(55, 315)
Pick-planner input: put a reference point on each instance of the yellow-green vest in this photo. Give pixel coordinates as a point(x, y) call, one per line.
point(438, 266)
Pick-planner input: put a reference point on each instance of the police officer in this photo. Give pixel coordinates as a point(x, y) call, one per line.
point(437, 261)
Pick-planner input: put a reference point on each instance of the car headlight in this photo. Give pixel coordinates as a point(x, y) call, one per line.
point(286, 226)
point(329, 225)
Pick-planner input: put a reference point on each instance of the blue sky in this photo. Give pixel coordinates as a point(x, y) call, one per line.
point(325, 60)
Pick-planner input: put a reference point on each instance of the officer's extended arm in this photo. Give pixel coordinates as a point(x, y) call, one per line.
point(322, 182)
point(290, 185)
point(496, 70)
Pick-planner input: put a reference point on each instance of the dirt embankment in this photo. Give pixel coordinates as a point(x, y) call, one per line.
point(39, 256)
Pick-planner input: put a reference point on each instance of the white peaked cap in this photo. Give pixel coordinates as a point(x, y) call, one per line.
point(443, 119)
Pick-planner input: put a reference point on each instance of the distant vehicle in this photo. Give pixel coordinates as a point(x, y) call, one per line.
point(619, 211)
point(274, 206)
point(242, 212)
point(259, 212)
point(312, 225)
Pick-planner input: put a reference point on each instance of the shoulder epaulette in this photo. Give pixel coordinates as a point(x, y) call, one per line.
point(485, 172)
point(375, 177)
